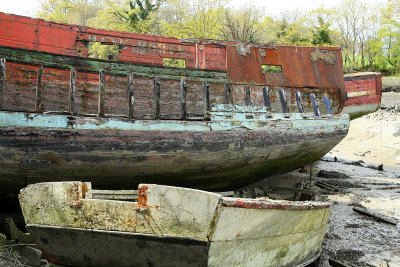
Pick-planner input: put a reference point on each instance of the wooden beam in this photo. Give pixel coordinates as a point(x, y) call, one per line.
point(315, 104)
point(248, 96)
point(102, 87)
point(376, 215)
point(283, 101)
point(228, 94)
point(206, 99)
point(299, 102)
point(328, 105)
point(39, 92)
point(2, 80)
point(267, 101)
point(182, 99)
point(32, 57)
point(131, 98)
point(156, 102)
point(72, 90)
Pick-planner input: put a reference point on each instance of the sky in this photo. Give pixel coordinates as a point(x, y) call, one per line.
point(271, 7)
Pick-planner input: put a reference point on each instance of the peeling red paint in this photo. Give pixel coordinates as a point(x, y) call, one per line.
point(266, 204)
point(241, 62)
point(363, 88)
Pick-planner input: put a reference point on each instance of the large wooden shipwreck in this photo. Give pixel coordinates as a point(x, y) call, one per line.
point(170, 226)
point(229, 115)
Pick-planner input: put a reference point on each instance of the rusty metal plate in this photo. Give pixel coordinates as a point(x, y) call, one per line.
point(300, 66)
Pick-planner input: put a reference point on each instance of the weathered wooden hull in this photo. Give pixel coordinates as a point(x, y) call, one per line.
point(214, 155)
point(363, 93)
point(171, 226)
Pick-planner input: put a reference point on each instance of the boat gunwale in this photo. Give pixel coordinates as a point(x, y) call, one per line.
point(272, 204)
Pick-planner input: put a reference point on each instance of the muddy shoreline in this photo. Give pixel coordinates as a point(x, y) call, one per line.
point(352, 238)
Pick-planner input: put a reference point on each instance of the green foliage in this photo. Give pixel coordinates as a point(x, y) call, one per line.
point(174, 62)
point(97, 50)
point(138, 14)
point(292, 33)
point(69, 11)
point(193, 19)
point(322, 33)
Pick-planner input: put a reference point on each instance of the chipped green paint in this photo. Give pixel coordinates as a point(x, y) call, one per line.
point(115, 68)
point(220, 121)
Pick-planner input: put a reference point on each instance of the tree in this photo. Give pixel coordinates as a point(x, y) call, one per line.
point(321, 32)
point(352, 20)
point(138, 14)
point(242, 25)
point(69, 11)
point(290, 29)
point(196, 19)
point(390, 32)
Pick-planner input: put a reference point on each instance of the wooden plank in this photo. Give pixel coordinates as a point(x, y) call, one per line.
point(115, 194)
point(336, 263)
point(315, 104)
point(112, 68)
point(376, 215)
point(72, 89)
point(39, 92)
point(2, 80)
point(328, 105)
point(156, 103)
point(102, 87)
point(299, 102)
point(267, 101)
point(182, 99)
point(248, 97)
point(228, 94)
point(206, 99)
point(131, 98)
point(283, 101)
point(326, 186)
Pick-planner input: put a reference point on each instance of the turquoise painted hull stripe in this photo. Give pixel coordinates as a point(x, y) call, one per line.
point(220, 121)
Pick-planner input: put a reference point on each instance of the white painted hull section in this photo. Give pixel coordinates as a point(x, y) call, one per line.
point(221, 231)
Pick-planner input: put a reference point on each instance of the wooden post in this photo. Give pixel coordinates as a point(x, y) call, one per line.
point(2, 80)
point(315, 104)
point(299, 102)
point(38, 101)
point(267, 102)
point(72, 89)
point(182, 99)
point(283, 100)
point(228, 94)
point(102, 87)
point(131, 98)
point(248, 97)
point(156, 103)
point(206, 99)
point(328, 105)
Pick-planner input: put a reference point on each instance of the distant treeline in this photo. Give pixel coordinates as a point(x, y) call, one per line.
point(368, 35)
